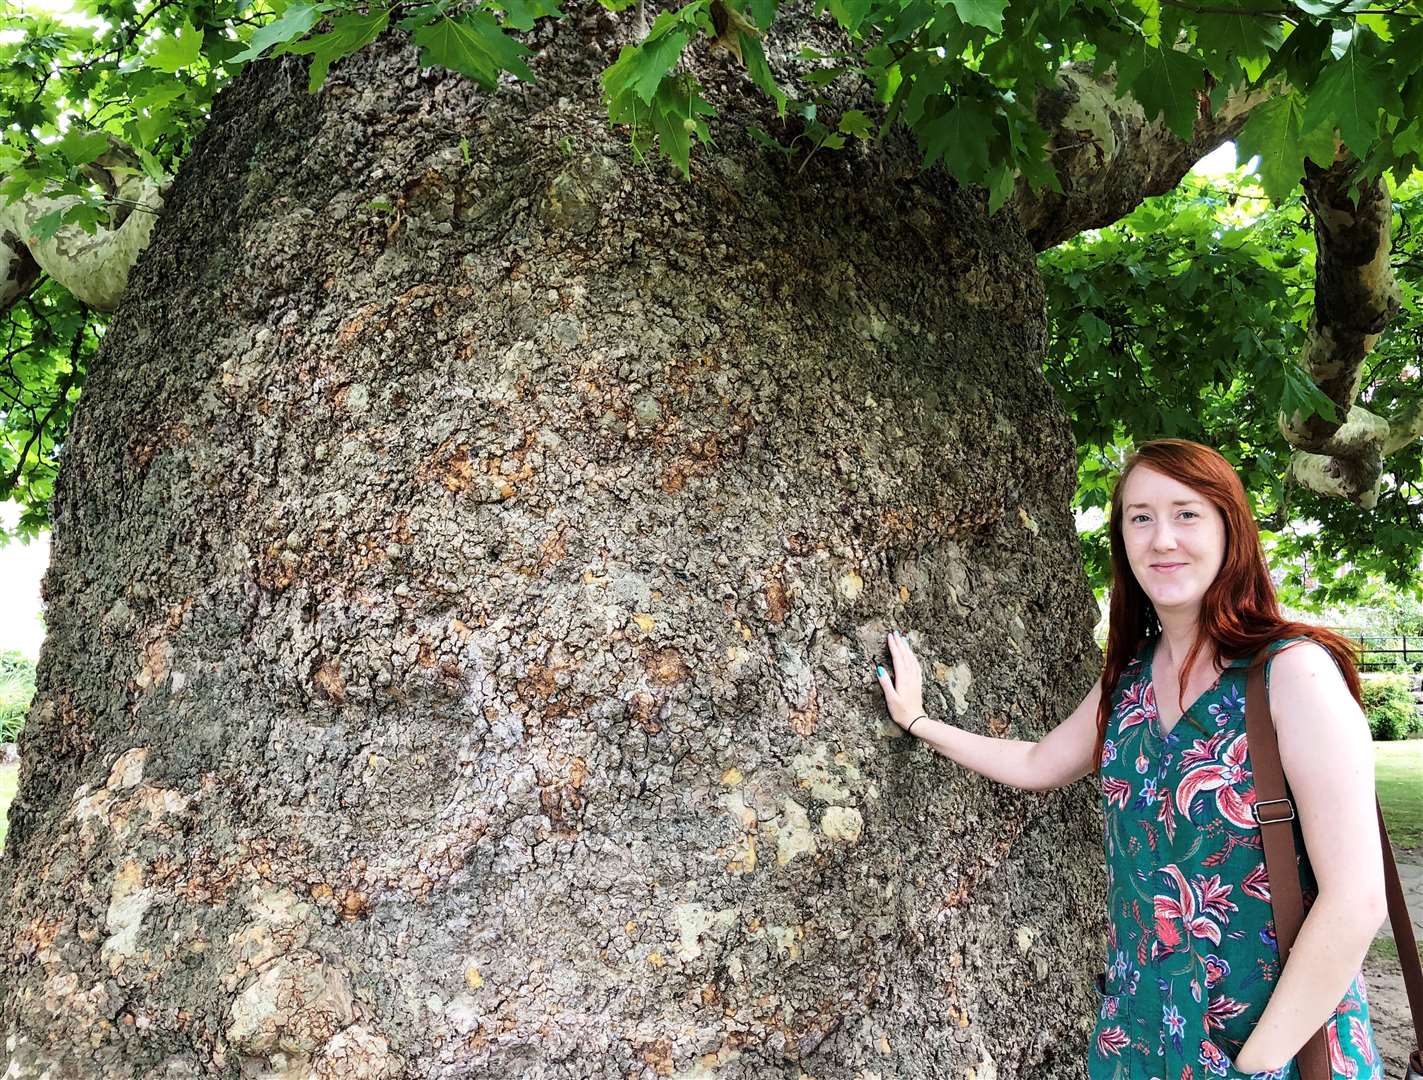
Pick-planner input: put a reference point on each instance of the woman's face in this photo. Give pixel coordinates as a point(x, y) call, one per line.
point(1175, 539)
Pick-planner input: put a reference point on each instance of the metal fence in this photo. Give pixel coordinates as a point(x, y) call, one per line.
point(1382, 652)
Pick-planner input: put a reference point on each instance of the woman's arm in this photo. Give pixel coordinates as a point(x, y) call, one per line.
point(1063, 755)
point(1328, 758)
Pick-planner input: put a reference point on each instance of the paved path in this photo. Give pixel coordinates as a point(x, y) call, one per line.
point(1410, 876)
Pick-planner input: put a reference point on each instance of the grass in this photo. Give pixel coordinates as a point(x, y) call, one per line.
point(9, 778)
point(1398, 776)
point(1384, 950)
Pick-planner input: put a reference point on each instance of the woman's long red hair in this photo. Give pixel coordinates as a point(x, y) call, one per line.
point(1240, 613)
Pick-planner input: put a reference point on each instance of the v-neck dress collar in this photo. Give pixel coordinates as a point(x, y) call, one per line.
point(1153, 723)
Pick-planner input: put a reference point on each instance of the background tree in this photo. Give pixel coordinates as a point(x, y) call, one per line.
point(1184, 319)
point(470, 533)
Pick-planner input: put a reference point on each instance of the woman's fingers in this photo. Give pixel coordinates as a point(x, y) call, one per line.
point(903, 654)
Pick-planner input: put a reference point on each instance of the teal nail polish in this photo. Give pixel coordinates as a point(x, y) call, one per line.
point(879, 669)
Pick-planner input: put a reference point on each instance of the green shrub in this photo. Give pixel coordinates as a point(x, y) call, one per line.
point(17, 688)
point(1389, 706)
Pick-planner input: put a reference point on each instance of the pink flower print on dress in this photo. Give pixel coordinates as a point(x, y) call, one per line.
point(1218, 777)
point(1202, 750)
point(1222, 1009)
point(1213, 1058)
point(1138, 702)
point(1117, 791)
point(1257, 883)
point(1340, 1063)
point(1112, 1040)
point(1216, 969)
point(1166, 815)
point(1182, 907)
point(1359, 1036)
point(1215, 897)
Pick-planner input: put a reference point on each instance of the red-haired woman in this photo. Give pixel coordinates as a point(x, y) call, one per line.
point(1197, 991)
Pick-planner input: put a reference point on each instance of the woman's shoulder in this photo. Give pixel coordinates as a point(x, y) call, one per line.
point(1301, 655)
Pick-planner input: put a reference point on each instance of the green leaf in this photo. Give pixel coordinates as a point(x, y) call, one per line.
point(1273, 130)
point(760, 136)
point(849, 13)
point(295, 21)
point(348, 34)
point(985, 13)
point(473, 45)
point(1000, 186)
point(763, 12)
point(1237, 36)
point(854, 122)
point(639, 68)
point(521, 14)
point(46, 225)
point(1350, 95)
point(1301, 395)
point(760, 71)
point(960, 135)
point(174, 53)
point(1298, 58)
point(81, 146)
point(1165, 82)
point(676, 116)
point(151, 168)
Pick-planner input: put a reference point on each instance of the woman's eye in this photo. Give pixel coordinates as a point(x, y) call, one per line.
point(1137, 518)
point(1191, 512)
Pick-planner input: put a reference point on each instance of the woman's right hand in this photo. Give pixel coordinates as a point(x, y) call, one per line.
point(904, 689)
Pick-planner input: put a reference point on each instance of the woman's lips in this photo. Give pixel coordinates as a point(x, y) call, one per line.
point(1166, 568)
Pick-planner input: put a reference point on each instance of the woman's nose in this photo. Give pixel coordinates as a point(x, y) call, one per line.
point(1163, 538)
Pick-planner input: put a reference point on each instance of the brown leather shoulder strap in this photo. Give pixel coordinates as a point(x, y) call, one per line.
point(1275, 812)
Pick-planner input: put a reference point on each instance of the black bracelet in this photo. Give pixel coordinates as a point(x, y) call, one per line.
point(910, 729)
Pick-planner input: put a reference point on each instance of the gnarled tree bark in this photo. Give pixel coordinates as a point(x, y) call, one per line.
point(461, 618)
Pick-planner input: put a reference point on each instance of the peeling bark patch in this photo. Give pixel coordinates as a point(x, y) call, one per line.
point(294, 1005)
point(328, 681)
point(128, 902)
point(842, 823)
point(127, 769)
point(357, 1053)
point(695, 921)
point(666, 667)
point(157, 655)
point(792, 831)
point(813, 771)
point(281, 923)
point(850, 585)
point(957, 680)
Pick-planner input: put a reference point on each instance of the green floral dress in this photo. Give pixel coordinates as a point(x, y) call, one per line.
point(1191, 951)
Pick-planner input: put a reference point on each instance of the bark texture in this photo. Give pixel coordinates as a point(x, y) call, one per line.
point(462, 617)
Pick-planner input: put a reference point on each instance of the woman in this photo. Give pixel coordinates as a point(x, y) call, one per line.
point(1193, 987)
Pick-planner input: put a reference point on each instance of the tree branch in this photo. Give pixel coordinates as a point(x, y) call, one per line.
point(1355, 297)
point(94, 267)
point(1109, 159)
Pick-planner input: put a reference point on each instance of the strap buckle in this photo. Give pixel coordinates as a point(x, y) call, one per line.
point(1255, 812)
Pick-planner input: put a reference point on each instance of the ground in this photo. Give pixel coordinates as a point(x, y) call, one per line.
point(1398, 772)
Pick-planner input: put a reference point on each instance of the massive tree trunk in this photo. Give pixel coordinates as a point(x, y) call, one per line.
point(468, 566)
